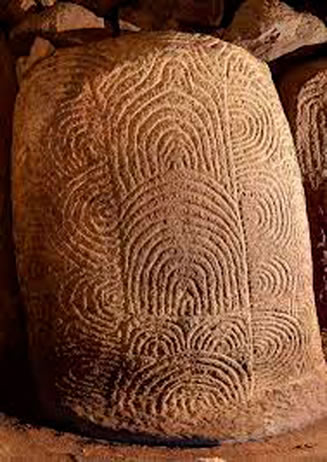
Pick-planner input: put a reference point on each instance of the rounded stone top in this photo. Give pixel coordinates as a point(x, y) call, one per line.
point(162, 244)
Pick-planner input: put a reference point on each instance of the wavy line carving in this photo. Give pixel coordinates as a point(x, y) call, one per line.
point(155, 193)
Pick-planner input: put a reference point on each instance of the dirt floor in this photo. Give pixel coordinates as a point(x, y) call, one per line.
point(20, 442)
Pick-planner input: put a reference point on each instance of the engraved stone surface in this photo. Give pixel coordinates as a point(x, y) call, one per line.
point(162, 243)
point(270, 29)
point(303, 90)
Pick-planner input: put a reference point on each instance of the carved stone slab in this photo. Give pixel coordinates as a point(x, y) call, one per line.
point(303, 92)
point(163, 245)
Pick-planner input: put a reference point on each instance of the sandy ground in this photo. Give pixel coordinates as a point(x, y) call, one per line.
point(20, 442)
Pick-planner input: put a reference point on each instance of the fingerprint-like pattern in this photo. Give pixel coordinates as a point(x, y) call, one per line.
point(213, 335)
point(303, 93)
point(275, 277)
point(74, 124)
point(278, 342)
point(271, 210)
point(311, 120)
point(184, 255)
point(163, 179)
point(179, 388)
point(252, 108)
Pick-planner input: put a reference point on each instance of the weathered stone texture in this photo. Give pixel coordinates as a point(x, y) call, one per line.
point(40, 49)
point(316, 7)
point(163, 245)
point(51, 24)
point(59, 18)
point(174, 15)
point(270, 29)
point(303, 90)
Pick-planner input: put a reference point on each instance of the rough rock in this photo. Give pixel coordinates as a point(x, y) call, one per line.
point(175, 15)
point(13, 11)
point(41, 49)
point(13, 348)
point(281, 65)
point(126, 26)
point(62, 17)
point(47, 3)
point(316, 7)
point(303, 90)
point(163, 245)
point(324, 342)
point(59, 18)
point(149, 15)
point(270, 29)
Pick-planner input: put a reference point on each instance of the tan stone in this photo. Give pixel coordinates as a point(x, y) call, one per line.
point(12, 340)
point(174, 15)
point(128, 27)
point(59, 18)
point(316, 7)
point(41, 49)
point(163, 245)
point(47, 3)
point(303, 90)
point(270, 29)
point(51, 22)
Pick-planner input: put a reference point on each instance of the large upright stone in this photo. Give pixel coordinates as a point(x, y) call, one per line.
point(303, 90)
point(163, 244)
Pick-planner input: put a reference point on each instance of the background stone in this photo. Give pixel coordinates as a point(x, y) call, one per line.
point(50, 23)
point(303, 90)
point(270, 29)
